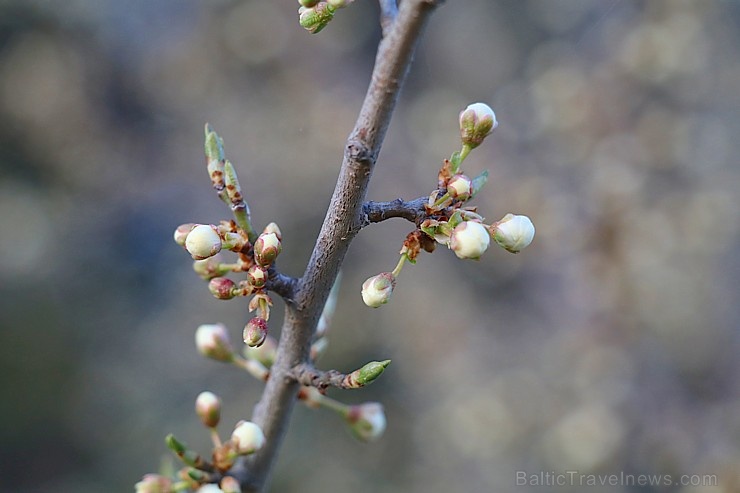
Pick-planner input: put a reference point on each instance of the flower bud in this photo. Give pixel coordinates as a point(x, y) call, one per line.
point(477, 121)
point(339, 4)
point(273, 228)
point(265, 353)
point(267, 248)
point(208, 409)
point(222, 288)
point(203, 242)
point(209, 488)
point(513, 233)
point(181, 233)
point(208, 268)
point(315, 18)
point(229, 484)
point(366, 421)
point(255, 332)
point(257, 276)
point(469, 240)
point(377, 290)
point(308, 3)
point(154, 483)
point(212, 341)
point(460, 187)
point(247, 437)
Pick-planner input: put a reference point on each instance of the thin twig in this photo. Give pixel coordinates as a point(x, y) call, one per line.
point(306, 374)
point(273, 411)
point(282, 285)
point(375, 212)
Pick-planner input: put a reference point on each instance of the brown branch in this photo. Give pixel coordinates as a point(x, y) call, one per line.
point(282, 285)
point(388, 14)
point(375, 212)
point(306, 374)
point(273, 411)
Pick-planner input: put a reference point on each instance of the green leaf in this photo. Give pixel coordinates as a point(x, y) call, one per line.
point(478, 183)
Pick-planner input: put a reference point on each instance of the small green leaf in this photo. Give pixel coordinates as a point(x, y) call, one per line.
point(478, 183)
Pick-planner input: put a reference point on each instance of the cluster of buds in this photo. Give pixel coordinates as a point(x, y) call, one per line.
point(314, 15)
point(200, 474)
point(448, 220)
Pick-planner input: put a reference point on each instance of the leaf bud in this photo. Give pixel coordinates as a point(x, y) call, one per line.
point(460, 187)
point(513, 233)
point(267, 248)
point(314, 19)
point(377, 290)
point(477, 121)
point(203, 242)
point(366, 421)
point(212, 341)
point(257, 276)
point(368, 373)
point(222, 288)
point(255, 332)
point(208, 409)
point(469, 240)
point(247, 438)
point(181, 233)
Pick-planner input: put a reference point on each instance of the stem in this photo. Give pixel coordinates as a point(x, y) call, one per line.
point(334, 405)
point(215, 438)
point(464, 152)
point(399, 266)
point(342, 223)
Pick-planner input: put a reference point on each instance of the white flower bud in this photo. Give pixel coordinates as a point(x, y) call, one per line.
point(208, 409)
point(477, 121)
point(247, 437)
point(229, 484)
point(209, 488)
point(212, 340)
point(460, 187)
point(377, 290)
point(154, 483)
point(513, 233)
point(203, 242)
point(366, 421)
point(181, 233)
point(469, 240)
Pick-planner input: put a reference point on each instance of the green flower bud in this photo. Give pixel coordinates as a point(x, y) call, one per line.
point(308, 3)
point(267, 248)
point(257, 276)
point(477, 121)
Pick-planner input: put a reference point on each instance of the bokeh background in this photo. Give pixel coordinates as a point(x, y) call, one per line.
point(609, 346)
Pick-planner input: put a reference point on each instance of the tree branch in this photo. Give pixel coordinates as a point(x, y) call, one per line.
point(282, 285)
point(306, 374)
point(375, 212)
point(273, 411)
point(388, 14)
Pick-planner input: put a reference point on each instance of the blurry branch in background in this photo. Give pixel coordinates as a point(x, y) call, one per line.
point(243, 463)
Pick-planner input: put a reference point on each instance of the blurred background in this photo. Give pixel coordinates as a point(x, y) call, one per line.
point(609, 346)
